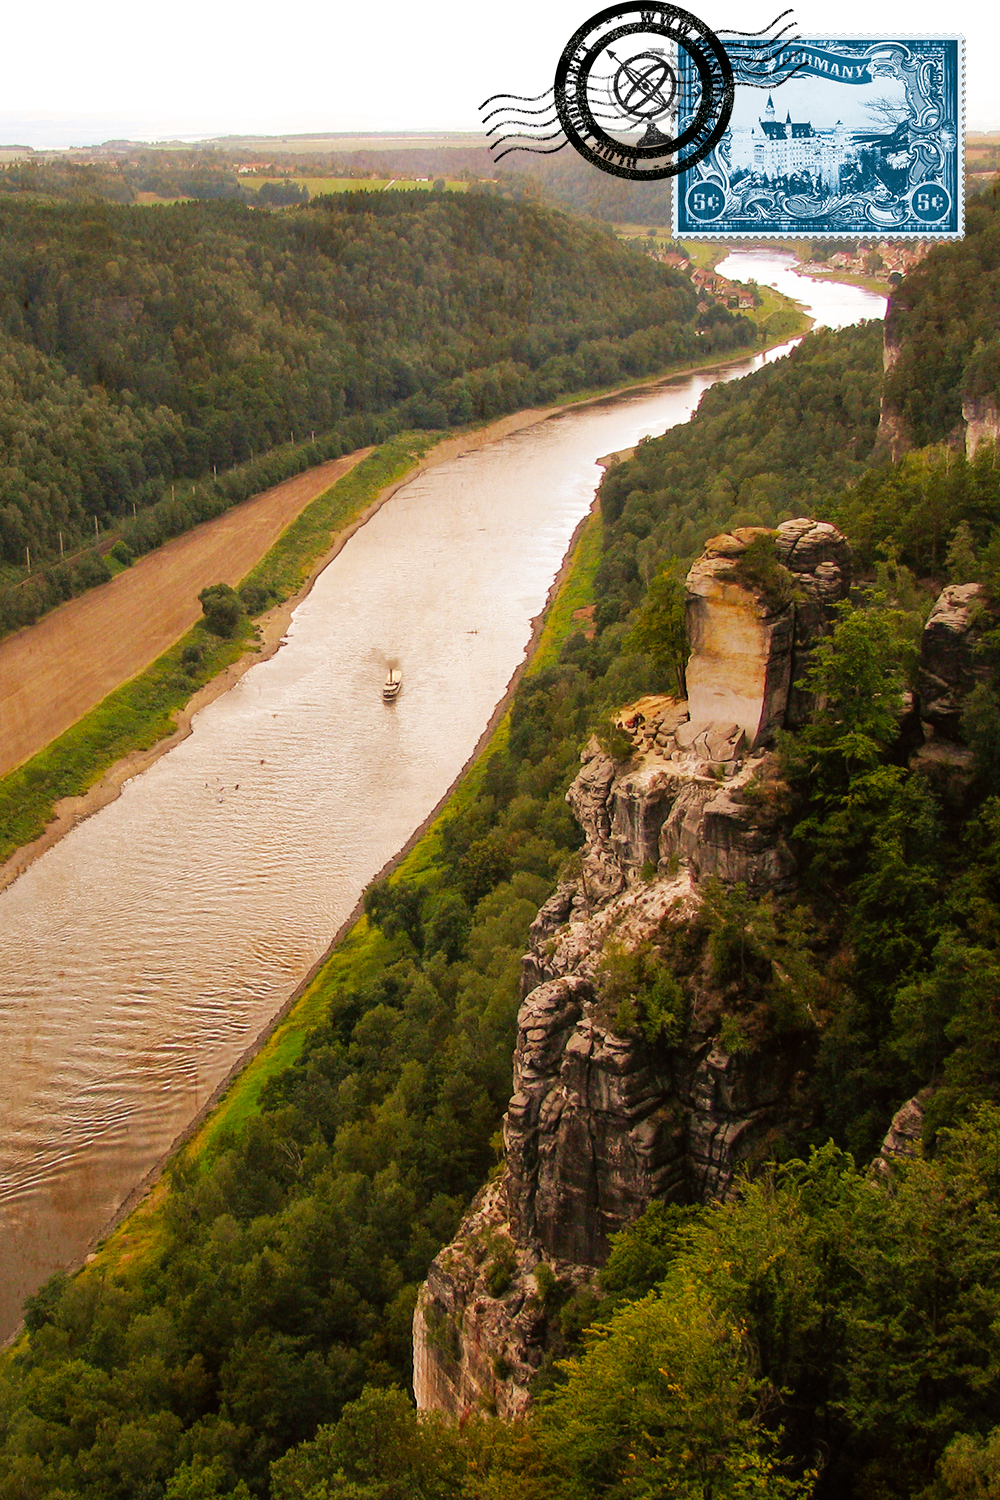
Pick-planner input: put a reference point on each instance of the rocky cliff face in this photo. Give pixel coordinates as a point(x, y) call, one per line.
point(892, 436)
point(980, 418)
point(603, 1119)
point(747, 651)
point(982, 425)
point(950, 666)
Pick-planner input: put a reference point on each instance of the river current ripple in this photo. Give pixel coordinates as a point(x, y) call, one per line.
point(142, 955)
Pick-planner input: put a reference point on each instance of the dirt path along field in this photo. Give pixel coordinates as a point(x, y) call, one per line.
point(54, 672)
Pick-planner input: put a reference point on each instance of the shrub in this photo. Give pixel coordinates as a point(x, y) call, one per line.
point(255, 598)
point(223, 609)
point(759, 569)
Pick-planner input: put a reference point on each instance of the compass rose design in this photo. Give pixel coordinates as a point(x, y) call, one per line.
point(641, 85)
point(618, 106)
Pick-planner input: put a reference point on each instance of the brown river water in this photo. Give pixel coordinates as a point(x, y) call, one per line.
point(141, 956)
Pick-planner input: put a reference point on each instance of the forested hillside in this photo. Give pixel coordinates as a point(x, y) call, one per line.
point(211, 172)
point(944, 318)
point(140, 347)
point(830, 1332)
point(774, 444)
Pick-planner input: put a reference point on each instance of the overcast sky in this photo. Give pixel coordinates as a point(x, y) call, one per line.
point(78, 74)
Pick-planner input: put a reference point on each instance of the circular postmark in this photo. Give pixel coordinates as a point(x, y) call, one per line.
point(644, 90)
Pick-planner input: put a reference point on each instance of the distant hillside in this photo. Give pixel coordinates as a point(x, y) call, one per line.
point(119, 171)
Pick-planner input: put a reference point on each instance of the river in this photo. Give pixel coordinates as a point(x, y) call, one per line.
point(143, 954)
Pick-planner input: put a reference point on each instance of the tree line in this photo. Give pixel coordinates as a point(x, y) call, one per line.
point(141, 350)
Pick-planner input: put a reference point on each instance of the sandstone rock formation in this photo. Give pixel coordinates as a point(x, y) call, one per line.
point(982, 425)
point(593, 1130)
point(480, 1322)
point(950, 666)
point(904, 1136)
point(600, 1123)
point(746, 650)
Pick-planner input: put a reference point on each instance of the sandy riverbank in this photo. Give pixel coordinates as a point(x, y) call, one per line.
point(56, 671)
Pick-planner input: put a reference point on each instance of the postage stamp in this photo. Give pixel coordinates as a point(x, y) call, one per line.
point(864, 137)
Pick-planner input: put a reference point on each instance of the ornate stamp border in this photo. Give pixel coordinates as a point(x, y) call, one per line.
point(865, 139)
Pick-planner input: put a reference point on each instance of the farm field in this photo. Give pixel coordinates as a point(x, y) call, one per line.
point(387, 141)
point(54, 672)
point(320, 185)
point(317, 185)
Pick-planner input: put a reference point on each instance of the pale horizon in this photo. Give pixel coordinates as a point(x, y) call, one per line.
point(108, 72)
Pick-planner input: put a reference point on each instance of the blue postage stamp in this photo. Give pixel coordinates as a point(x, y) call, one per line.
point(864, 138)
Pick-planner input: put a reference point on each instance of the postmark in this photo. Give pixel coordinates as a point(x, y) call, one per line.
point(864, 137)
point(617, 86)
point(643, 90)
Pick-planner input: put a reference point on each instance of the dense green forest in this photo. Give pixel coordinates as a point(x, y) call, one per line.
point(760, 449)
point(944, 316)
point(145, 353)
point(831, 1332)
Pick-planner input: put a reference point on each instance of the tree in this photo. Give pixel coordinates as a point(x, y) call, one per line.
point(223, 609)
point(970, 1468)
point(396, 907)
point(658, 629)
point(665, 1401)
point(960, 559)
point(381, 1449)
point(446, 925)
point(857, 677)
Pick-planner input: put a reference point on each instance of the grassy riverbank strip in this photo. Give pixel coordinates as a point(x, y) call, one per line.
point(142, 712)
